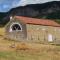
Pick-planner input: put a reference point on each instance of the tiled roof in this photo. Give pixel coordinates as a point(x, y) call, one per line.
point(45, 22)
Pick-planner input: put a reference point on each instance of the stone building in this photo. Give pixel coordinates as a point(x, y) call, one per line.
point(33, 30)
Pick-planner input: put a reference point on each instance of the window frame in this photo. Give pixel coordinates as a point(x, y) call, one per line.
point(10, 29)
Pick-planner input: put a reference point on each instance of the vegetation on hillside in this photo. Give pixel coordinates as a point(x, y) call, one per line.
point(3, 20)
point(50, 10)
point(54, 16)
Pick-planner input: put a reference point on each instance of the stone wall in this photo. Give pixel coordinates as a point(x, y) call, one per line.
point(16, 35)
point(34, 33)
point(39, 33)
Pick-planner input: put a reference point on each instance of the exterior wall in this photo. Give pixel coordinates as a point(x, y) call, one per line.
point(39, 33)
point(16, 35)
point(33, 33)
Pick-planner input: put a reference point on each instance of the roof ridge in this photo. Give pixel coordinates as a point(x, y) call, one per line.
point(29, 20)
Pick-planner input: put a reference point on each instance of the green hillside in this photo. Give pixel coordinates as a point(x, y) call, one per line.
point(54, 16)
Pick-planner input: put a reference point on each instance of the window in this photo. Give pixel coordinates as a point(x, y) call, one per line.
point(50, 37)
point(15, 27)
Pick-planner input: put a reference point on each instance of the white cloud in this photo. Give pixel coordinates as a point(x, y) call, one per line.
point(6, 5)
point(25, 2)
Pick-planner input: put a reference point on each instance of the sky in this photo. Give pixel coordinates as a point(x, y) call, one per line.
point(6, 5)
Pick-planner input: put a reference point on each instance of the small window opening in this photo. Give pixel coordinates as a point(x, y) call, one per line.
point(16, 27)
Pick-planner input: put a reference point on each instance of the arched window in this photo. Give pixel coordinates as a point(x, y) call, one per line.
point(15, 27)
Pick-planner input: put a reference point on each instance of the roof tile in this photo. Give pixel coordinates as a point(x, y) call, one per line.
point(45, 22)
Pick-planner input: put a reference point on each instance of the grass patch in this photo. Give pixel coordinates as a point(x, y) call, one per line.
point(27, 55)
point(27, 51)
point(2, 31)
